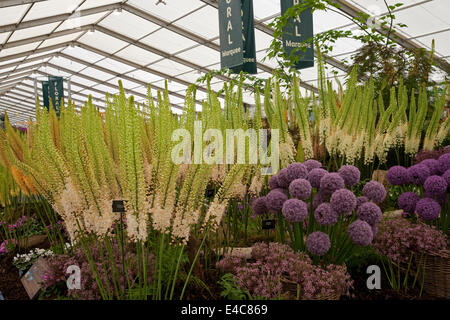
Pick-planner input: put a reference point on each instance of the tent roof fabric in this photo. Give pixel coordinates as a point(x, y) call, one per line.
point(94, 43)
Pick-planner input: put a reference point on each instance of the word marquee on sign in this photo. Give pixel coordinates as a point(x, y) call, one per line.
point(237, 36)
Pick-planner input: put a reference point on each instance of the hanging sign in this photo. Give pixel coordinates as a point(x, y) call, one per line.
point(248, 39)
point(56, 91)
point(296, 33)
point(230, 31)
point(45, 94)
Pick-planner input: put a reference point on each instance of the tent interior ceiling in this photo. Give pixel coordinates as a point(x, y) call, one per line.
point(94, 43)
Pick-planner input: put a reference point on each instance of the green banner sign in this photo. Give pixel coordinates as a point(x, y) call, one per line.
point(248, 39)
point(56, 91)
point(296, 33)
point(230, 31)
point(45, 94)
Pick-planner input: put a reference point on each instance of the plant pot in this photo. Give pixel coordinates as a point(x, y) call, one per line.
point(32, 241)
point(437, 275)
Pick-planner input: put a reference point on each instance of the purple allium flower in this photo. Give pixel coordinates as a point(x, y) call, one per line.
point(374, 191)
point(275, 200)
point(294, 210)
point(281, 190)
point(325, 215)
point(397, 175)
point(297, 170)
point(350, 174)
point(407, 201)
point(315, 175)
point(428, 209)
point(435, 185)
point(370, 213)
point(312, 164)
point(259, 206)
point(331, 182)
point(343, 200)
point(360, 232)
point(361, 200)
point(433, 165)
point(319, 197)
point(418, 173)
point(273, 182)
point(444, 162)
point(446, 177)
point(318, 243)
point(300, 189)
point(283, 178)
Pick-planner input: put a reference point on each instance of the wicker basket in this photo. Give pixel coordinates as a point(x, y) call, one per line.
point(437, 275)
point(292, 291)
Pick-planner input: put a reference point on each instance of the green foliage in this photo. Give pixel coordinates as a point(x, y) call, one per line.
point(230, 290)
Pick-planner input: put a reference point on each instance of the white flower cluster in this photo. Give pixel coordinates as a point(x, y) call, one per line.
point(33, 254)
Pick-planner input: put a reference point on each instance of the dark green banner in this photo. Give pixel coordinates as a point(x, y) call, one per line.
point(230, 30)
point(45, 94)
point(296, 33)
point(56, 91)
point(248, 38)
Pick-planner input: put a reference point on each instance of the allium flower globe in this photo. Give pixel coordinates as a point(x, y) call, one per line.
point(435, 185)
point(418, 173)
point(343, 200)
point(350, 174)
point(433, 165)
point(370, 213)
point(331, 182)
point(300, 189)
point(312, 164)
point(294, 210)
point(407, 201)
point(259, 206)
point(318, 243)
point(360, 232)
point(297, 170)
point(428, 209)
point(315, 175)
point(397, 175)
point(444, 162)
point(325, 215)
point(275, 200)
point(283, 178)
point(281, 190)
point(374, 191)
point(273, 182)
point(361, 200)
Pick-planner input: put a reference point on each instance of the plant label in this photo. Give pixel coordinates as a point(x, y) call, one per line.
point(268, 224)
point(32, 280)
point(118, 206)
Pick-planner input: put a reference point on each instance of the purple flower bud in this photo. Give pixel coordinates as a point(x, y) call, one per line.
point(318, 243)
point(360, 232)
point(374, 191)
point(331, 182)
point(407, 201)
point(294, 210)
point(350, 174)
point(433, 165)
point(312, 164)
point(300, 189)
point(444, 162)
point(325, 215)
point(315, 175)
point(283, 178)
point(398, 175)
point(361, 200)
point(343, 200)
point(259, 206)
point(428, 209)
point(435, 185)
point(275, 200)
point(273, 182)
point(370, 213)
point(297, 170)
point(418, 173)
